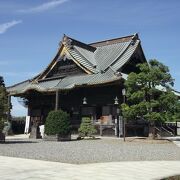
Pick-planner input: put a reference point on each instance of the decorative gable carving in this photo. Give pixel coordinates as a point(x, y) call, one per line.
point(64, 67)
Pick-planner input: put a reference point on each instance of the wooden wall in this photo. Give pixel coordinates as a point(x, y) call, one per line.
point(72, 101)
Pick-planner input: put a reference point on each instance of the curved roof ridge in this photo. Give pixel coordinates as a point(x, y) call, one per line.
point(79, 43)
point(113, 41)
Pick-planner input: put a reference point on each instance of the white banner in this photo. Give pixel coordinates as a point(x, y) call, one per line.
point(178, 128)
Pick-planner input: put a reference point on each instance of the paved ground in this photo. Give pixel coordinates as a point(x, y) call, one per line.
point(89, 151)
point(177, 143)
point(175, 140)
point(23, 169)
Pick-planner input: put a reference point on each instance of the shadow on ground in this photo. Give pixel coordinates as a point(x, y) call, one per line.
point(17, 142)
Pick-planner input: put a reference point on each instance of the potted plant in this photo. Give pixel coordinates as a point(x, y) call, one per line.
point(57, 126)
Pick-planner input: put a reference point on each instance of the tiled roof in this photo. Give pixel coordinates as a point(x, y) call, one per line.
point(18, 87)
point(66, 83)
point(107, 55)
point(87, 54)
point(115, 52)
point(82, 59)
point(125, 56)
point(100, 59)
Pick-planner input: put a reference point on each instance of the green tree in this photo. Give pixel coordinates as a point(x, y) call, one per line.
point(86, 128)
point(149, 94)
point(3, 103)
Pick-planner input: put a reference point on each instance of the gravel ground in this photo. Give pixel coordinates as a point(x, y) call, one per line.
point(90, 151)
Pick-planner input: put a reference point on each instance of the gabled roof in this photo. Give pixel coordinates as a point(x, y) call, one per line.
point(105, 53)
point(100, 61)
point(65, 83)
point(99, 56)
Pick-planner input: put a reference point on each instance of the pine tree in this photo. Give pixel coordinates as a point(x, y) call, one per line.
point(3, 103)
point(149, 94)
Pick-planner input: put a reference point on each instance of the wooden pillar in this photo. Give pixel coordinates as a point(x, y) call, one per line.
point(28, 110)
point(57, 100)
point(101, 129)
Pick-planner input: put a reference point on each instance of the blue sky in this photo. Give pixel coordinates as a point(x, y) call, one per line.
point(31, 30)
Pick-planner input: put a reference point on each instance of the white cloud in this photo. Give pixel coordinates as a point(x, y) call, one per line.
point(43, 7)
point(4, 27)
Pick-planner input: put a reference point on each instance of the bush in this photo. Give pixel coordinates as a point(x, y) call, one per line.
point(57, 122)
point(86, 128)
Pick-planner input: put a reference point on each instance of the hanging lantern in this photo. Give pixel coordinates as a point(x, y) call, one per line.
point(116, 100)
point(84, 100)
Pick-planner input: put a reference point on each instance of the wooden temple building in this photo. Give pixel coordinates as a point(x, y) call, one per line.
point(85, 80)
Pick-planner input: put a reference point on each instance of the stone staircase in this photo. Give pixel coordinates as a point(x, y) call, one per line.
point(164, 132)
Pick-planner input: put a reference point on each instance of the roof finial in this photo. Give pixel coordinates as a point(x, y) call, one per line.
point(61, 42)
point(136, 36)
point(67, 41)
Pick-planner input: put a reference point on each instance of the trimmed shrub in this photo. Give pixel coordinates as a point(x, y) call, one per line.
point(57, 122)
point(86, 128)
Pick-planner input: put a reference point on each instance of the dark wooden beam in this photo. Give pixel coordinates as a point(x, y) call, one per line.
point(57, 100)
